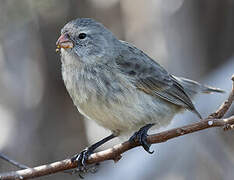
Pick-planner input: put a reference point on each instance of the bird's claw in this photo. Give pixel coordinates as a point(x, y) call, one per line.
point(141, 136)
point(82, 157)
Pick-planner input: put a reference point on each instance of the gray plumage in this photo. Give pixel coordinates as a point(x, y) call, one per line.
point(119, 86)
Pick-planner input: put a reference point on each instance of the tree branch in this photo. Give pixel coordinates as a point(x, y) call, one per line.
point(115, 152)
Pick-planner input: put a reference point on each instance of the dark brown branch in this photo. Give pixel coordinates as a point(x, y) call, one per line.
point(115, 152)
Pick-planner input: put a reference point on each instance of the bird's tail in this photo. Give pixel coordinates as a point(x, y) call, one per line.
point(192, 87)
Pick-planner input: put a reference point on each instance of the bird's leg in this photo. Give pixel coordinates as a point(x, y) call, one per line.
point(82, 157)
point(141, 136)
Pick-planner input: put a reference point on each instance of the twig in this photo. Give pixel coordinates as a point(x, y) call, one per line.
point(226, 105)
point(115, 152)
point(11, 161)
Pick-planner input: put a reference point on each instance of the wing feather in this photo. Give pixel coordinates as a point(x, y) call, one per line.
point(149, 77)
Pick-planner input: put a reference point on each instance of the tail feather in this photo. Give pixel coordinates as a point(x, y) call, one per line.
point(209, 89)
point(192, 87)
point(197, 113)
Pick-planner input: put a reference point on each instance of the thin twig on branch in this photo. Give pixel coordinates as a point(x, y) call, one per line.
point(11, 161)
point(115, 152)
point(226, 105)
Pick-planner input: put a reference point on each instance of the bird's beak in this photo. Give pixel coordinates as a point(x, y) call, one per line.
point(63, 42)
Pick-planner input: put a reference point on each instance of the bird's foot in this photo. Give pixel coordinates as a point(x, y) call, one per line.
point(141, 136)
point(82, 157)
point(81, 171)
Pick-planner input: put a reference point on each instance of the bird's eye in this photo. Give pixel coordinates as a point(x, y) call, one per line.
point(82, 36)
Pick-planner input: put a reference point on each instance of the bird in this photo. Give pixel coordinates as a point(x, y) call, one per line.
point(119, 86)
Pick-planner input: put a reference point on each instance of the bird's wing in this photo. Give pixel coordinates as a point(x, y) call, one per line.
point(149, 77)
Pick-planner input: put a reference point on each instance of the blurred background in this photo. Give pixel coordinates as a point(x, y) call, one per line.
point(39, 123)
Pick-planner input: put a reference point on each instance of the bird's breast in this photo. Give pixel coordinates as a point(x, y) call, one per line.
point(98, 94)
point(111, 100)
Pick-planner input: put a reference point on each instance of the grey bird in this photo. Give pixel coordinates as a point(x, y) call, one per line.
point(117, 85)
